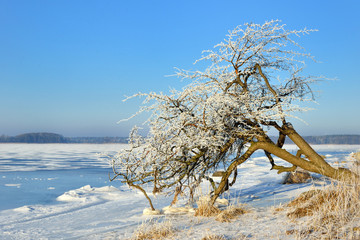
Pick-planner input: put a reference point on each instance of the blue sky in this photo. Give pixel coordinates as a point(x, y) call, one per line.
point(65, 66)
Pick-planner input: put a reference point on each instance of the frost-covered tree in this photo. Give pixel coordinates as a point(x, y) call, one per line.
point(253, 83)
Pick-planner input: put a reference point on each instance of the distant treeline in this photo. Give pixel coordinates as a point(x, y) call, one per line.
point(328, 139)
point(98, 140)
point(34, 138)
point(57, 138)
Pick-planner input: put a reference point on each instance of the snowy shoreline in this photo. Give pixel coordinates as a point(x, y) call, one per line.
point(113, 211)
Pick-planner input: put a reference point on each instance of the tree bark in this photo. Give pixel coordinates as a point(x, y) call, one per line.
point(253, 147)
point(319, 165)
point(313, 161)
point(144, 192)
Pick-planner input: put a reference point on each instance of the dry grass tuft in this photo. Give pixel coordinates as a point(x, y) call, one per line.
point(154, 231)
point(312, 201)
point(214, 237)
point(205, 209)
point(356, 157)
point(230, 213)
point(222, 237)
point(331, 212)
point(278, 209)
point(304, 197)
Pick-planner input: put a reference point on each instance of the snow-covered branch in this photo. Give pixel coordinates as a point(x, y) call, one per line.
point(253, 82)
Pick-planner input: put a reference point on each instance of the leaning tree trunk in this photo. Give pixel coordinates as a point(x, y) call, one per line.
point(315, 162)
point(312, 162)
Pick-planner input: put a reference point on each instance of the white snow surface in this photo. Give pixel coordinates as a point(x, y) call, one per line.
point(113, 211)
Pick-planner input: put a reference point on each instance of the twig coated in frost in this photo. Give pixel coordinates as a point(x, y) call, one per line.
point(225, 111)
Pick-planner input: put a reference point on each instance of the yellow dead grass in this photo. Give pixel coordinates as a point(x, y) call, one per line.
point(154, 231)
point(230, 213)
point(214, 237)
point(331, 212)
point(308, 203)
point(205, 209)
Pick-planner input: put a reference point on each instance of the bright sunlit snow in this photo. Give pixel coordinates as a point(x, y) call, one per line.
point(62, 191)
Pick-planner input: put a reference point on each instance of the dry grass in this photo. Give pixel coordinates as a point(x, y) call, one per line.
point(332, 212)
point(222, 237)
point(154, 231)
point(205, 209)
point(230, 213)
point(214, 237)
point(311, 202)
point(356, 157)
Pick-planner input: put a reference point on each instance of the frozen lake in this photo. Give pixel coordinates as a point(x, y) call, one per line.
point(38, 173)
point(52, 191)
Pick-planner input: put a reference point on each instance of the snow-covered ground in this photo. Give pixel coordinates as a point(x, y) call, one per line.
point(62, 191)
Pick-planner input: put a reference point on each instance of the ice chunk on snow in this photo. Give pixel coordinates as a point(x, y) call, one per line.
point(106, 189)
point(87, 188)
point(24, 209)
point(88, 193)
point(18, 185)
point(71, 196)
point(149, 211)
point(77, 195)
